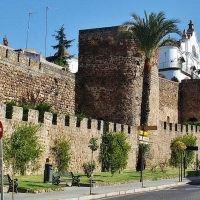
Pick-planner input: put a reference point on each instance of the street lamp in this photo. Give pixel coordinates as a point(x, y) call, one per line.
point(93, 146)
point(90, 146)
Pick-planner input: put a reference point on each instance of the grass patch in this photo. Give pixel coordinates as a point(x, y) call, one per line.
point(32, 183)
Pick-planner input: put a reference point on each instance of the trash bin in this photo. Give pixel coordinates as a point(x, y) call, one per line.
point(48, 172)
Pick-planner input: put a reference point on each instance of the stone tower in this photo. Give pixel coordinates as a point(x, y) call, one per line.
point(109, 80)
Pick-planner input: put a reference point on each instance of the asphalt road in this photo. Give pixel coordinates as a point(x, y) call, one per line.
point(187, 192)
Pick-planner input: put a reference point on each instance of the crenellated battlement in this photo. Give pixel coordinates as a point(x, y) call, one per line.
point(71, 121)
point(63, 120)
point(21, 75)
point(18, 59)
point(179, 128)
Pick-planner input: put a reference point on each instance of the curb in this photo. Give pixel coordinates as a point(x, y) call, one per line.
point(124, 192)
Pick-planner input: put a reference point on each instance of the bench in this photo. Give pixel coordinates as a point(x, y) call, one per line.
point(75, 180)
point(11, 183)
point(56, 180)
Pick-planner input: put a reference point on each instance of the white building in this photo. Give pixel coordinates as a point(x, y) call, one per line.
point(32, 53)
point(73, 64)
point(180, 60)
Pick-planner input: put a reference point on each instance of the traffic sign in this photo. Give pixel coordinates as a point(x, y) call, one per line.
point(144, 133)
point(143, 142)
point(143, 138)
point(1, 130)
point(192, 148)
point(146, 128)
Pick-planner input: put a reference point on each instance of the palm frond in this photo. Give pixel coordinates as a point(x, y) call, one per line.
point(150, 30)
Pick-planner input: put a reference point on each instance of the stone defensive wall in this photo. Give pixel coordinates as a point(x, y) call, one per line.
point(160, 140)
point(79, 134)
point(189, 100)
point(108, 82)
point(22, 76)
point(168, 100)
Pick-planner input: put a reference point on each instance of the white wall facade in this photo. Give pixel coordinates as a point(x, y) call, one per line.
point(181, 62)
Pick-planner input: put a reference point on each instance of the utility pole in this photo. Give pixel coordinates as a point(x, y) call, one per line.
point(29, 17)
point(46, 32)
point(47, 8)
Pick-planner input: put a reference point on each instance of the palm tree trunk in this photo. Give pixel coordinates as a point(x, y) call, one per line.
point(145, 110)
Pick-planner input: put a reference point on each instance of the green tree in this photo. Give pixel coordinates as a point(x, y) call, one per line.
point(178, 146)
point(61, 57)
point(22, 147)
point(114, 151)
point(90, 166)
point(61, 152)
point(105, 151)
point(148, 32)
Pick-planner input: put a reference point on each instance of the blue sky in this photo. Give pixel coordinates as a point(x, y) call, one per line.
point(77, 15)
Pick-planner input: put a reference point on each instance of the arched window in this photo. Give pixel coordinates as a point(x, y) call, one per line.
point(194, 53)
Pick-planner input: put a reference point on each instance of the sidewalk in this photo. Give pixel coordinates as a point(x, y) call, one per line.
point(83, 193)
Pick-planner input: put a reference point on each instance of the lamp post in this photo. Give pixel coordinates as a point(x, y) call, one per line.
point(93, 146)
point(90, 146)
point(1, 159)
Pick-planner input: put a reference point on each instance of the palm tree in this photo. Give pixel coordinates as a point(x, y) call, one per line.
point(147, 33)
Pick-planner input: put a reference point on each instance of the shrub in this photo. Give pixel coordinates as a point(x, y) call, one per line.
point(61, 153)
point(178, 146)
point(152, 165)
point(163, 164)
point(88, 168)
point(42, 108)
point(114, 151)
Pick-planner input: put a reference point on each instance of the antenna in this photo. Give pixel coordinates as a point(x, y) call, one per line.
point(47, 8)
point(29, 16)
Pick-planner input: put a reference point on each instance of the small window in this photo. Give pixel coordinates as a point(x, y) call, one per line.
point(6, 53)
point(168, 119)
point(18, 57)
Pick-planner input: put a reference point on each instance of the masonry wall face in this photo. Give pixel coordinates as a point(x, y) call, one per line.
point(169, 100)
point(78, 138)
point(21, 77)
point(108, 83)
point(189, 100)
point(154, 94)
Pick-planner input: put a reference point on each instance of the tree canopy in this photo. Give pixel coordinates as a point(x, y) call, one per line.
point(114, 151)
point(22, 147)
point(178, 146)
point(61, 152)
point(61, 56)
